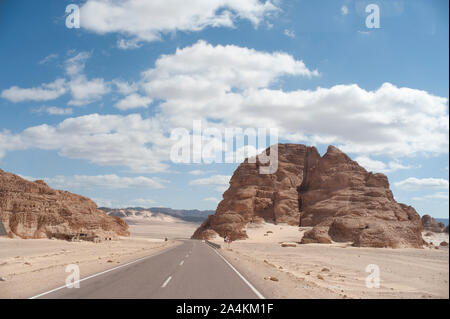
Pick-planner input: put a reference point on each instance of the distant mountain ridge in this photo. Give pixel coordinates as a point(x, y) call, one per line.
point(188, 215)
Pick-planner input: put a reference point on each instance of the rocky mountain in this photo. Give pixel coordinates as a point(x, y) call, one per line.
point(163, 213)
point(34, 210)
point(338, 198)
point(431, 224)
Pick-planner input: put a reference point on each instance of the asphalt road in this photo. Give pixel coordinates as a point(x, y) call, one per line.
point(190, 270)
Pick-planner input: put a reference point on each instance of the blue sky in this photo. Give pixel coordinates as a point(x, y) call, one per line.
point(91, 109)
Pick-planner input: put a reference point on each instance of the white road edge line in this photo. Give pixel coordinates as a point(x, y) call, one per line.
point(166, 282)
point(103, 272)
point(181, 263)
point(260, 296)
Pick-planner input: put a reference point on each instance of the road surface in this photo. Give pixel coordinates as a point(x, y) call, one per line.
point(192, 269)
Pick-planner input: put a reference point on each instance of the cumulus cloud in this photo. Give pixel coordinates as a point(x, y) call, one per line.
point(111, 181)
point(142, 20)
point(83, 90)
point(86, 91)
point(111, 140)
point(414, 183)
point(230, 84)
point(379, 166)
point(197, 172)
point(125, 87)
point(105, 181)
point(219, 182)
point(435, 196)
point(133, 101)
point(53, 110)
point(44, 92)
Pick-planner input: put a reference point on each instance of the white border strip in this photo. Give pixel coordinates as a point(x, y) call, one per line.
point(260, 296)
point(103, 272)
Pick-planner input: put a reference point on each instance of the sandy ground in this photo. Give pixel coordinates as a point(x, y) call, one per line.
point(143, 228)
point(336, 270)
point(30, 267)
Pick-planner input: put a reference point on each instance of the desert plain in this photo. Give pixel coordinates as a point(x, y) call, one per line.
point(338, 270)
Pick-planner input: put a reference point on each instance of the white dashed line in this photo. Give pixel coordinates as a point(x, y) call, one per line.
point(104, 272)
point(166, 282)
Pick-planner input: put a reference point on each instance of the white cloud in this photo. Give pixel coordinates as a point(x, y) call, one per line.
point(225, 86)
point(124, 87)
point(53, 110)
point(83, 90)
point(139, 202)
point(211, 199)
point(379, 166)
point(44, 92)
point(344, 10)
point(435, 196)
point(143, 20)
point(75, 65)
point(230, 84)
point(133, 101)
point(219, 182)
point(289, 33)
point(102, 181)
point(197, 172)
point(112, 140)
point(49, 58)
point(86, 91)
point(414, 183)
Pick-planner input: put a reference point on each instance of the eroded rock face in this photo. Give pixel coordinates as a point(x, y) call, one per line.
point(357, 206)
point(333, 194)
point(431, 224)
point(253, 197)
point(34, 210)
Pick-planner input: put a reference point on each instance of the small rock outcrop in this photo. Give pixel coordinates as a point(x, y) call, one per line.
point(34, 210)
point(431, 224)
point(333, 194)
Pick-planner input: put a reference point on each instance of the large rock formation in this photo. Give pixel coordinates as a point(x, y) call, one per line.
point(34, 210)
point(431, 224)
point(333, 194)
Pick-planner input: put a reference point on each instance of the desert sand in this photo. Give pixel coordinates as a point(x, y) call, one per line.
point(32, 266)
point(335, 270)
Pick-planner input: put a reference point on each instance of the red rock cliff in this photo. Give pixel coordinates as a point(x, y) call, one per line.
point(333, 194)
point(34, 210)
